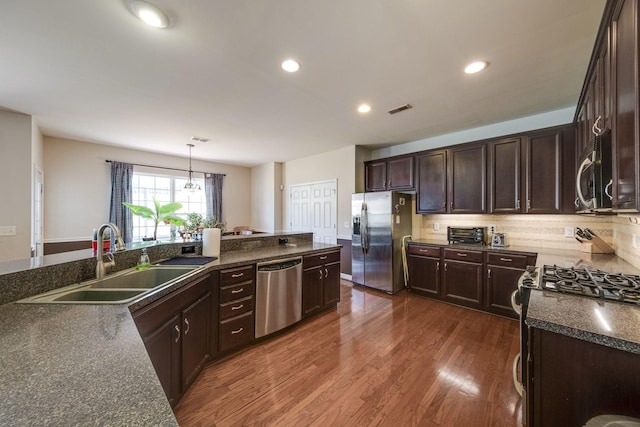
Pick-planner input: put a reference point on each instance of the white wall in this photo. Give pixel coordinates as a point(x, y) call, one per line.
point(337, 164)
point(266, 197)
point(15, 176)
point(537, 121)
point(78, 188)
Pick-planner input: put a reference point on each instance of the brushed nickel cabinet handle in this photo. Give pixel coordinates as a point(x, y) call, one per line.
point(237, 331)
point(320, 271)
point(237, 307)
point(237, 291)
point(518, 204)
point(438, 266)
point(237, 275)
point(323, 257)
point(326, 273)
point(445, 266)
point(488, 273)
point(177, 330)
point(528, 204)
point(186, 321)
point(506, 259)
point(461, 254)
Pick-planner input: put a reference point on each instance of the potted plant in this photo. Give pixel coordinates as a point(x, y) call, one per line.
point(165, 213)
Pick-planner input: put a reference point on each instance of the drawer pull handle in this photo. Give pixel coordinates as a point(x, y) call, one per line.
point(237, 307)
point(178, 330)
point(237, 275)
point(461, 254)
point(323, 257)
point(320, 271)
point(423, 250)
point(326, 273)
point(237, 291)
point(186, 321)
point(237, 331)
point(506, 259)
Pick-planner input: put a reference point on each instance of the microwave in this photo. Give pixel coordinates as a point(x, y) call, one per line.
point(594, 179)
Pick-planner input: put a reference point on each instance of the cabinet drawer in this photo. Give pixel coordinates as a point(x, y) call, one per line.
point(236, 308)
point(234, 292)
point(323, 258)
point(236, 275)
point(430, 251)
point(236, 332)
point(463, 255)
point(507, 260)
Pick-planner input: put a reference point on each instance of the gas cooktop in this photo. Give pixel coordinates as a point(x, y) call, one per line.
point(584, 282)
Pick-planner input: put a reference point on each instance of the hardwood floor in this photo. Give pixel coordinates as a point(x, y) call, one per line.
point(377, 360)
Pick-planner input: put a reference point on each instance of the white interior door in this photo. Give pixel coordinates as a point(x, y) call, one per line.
point(314, 208)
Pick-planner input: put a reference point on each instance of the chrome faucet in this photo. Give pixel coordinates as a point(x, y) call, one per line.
point(102, 266)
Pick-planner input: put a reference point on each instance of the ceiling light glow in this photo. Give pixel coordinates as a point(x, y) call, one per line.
point(290, 66)
point(364, 108)
point(149, 14)
point(475, 67)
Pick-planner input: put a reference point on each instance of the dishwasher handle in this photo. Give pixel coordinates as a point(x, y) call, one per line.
point(279, 265)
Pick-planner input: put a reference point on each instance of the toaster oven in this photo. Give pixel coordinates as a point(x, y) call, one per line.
point(468, 235)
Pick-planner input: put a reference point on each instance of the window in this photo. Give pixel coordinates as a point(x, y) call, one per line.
point(167, 189)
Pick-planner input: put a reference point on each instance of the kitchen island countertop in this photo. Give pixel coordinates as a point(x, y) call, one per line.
point(73, 364)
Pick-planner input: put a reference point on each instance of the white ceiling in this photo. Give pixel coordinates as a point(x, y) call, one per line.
point(89, 70)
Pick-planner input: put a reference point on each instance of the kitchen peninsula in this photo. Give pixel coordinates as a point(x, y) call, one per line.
point(85, 363)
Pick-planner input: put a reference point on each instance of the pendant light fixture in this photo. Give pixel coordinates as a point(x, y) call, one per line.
point(191, 185)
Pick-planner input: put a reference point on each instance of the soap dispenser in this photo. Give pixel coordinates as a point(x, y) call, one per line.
point(144, 262)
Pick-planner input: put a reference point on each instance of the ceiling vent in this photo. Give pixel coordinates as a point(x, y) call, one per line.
point(400, 108)
point(199, 139)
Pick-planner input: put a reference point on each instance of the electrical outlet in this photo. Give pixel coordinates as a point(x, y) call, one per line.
point(8, 230)
point(569, 232)
point(634, 241)
point(436, 226)
point(492, 229)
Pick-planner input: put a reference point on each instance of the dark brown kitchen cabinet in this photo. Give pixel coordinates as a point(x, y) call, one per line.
point(505, 176)
point(320, 282)
point(424, 270)
point(394, 173)
point(176, 331)
point(626, 125)
point(569, 380)
point(549, 165)
point(236, 319)
point(503, 271)
point(462, 277)
point(431, 191)
point(468, 179)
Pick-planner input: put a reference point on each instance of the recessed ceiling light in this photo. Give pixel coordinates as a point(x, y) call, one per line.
point(149, 14)
point(290, 66)
point(475, 67)
point(364, 108)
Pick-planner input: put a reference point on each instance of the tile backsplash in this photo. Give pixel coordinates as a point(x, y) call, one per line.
point(541, 231)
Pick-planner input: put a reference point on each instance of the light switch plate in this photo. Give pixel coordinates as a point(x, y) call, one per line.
point(436, 226)
point(7, 230)
point(569, 232)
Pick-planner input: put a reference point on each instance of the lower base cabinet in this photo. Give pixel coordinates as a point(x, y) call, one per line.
point(570, 381)
point(462, 277)
point(320, 282)
point(176, 331)
point(236, 315)
point(423, 263)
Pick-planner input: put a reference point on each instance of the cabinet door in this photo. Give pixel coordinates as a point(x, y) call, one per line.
point(432, 182)
point(625, 168)
point(468, 179)
point(504, 176)
point(424, 275)
point(163, 346)
point(196, 324)
point(501, 282)
point(312, 292)
point(375, 175)
point(462, 283)
point(544, 158)
point(331, 284)
point(400, 173)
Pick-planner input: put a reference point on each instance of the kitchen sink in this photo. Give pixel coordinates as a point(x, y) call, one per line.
point(118, 288)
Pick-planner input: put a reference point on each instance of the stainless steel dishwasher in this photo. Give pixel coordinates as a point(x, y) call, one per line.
point(278, 295)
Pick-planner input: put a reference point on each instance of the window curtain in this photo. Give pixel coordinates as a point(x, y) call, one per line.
point(121, 191)
point(213, 193)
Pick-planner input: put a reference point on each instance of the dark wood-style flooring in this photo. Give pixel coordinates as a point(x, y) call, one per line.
point(377, 360)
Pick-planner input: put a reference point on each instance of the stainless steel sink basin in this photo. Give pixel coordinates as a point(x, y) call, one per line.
point(118, 288)
point(146, 279)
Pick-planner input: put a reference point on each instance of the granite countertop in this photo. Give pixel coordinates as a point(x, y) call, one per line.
point(73, 364)
point(612, 324)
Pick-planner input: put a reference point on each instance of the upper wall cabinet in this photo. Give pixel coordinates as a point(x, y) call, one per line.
point(431, 191)
point(395, 173)
point(505, 176)
point(611, 92)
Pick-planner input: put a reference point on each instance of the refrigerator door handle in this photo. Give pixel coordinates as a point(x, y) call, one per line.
point(364, 228)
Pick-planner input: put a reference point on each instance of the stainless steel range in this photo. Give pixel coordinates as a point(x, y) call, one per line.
point(585, 282)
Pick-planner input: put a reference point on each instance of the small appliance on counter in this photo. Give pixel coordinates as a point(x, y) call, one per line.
point(467, 235)
point(499, 240)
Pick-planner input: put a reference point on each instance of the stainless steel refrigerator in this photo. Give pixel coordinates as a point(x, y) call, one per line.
point(379, 221)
